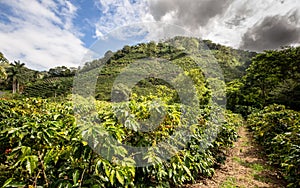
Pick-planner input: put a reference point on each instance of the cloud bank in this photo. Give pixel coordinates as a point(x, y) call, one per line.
point(188, 13)
point(272, 33)
point(40, 33)
point(237, 23)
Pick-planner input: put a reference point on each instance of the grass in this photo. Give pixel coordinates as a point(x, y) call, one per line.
point(246, 144)
point(5, 93)
point(230, 182)
point(237, 159)
point(256, 167)
point(261, 178)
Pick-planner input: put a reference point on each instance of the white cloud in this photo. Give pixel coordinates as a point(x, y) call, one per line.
point(118, 13)
point(41, 34)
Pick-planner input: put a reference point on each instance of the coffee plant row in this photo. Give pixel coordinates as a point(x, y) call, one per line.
point(42, 145)
point(278, 130)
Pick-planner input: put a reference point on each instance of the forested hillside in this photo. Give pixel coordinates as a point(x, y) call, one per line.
point(58, 81)
point(273, 77)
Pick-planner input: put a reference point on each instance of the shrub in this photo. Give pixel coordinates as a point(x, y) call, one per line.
point(278, 130)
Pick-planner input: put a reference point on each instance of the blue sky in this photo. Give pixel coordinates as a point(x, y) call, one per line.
point(49, 33)
point(85, 19)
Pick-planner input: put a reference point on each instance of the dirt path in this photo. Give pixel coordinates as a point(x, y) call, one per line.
point(245, 167)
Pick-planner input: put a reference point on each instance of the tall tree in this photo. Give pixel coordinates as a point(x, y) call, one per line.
point(3, 59)
point(3, 64)
point(15, 73)
point(3, 74)
point(273, 77)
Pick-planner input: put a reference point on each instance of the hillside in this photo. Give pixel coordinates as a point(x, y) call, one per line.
point(279, 70)
point(179, 50)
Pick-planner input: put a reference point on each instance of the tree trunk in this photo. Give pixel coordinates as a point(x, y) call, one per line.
point(14, 86)
point(18, 87)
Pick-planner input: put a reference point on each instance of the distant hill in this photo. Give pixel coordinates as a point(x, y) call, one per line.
point(177, 50)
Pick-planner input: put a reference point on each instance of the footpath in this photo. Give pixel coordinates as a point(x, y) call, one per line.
point(245, 166)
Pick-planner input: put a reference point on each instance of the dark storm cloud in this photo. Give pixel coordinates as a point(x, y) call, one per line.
point(191, 13)
point(272, 33)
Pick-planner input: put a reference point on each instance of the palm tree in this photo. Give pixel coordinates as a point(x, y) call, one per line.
point(15, 74)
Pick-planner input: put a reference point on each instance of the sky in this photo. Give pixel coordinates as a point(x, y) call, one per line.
point(49, 33)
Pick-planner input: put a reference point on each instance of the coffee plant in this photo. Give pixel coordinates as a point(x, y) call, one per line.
point(278, 130)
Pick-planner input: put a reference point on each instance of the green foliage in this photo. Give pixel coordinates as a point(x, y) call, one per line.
point(233, 62)
point(3, 59)
point(41, 145)
point(15, 73)
point(62, 71)
point(18, 76)
point(177, 50)
point(273, 77)
point(49, 87)
point(3, 74)
point(3, 63)
point(278, 130)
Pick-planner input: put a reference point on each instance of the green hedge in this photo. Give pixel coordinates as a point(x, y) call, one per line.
point(278, 130)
